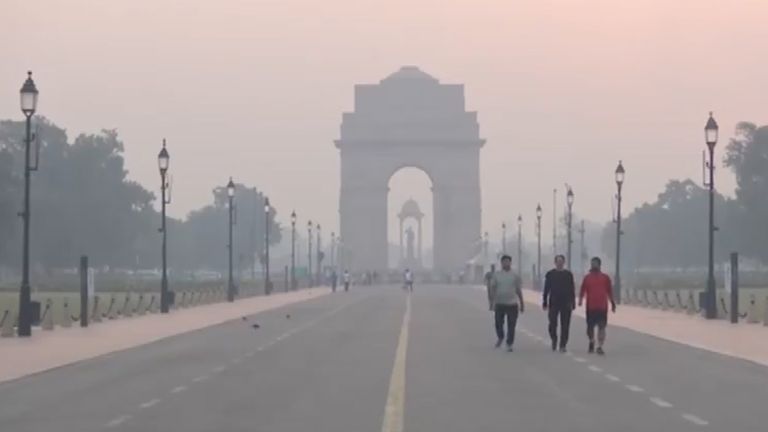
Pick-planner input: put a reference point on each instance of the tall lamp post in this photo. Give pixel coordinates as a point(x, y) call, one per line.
point(538, 240)
point(710, 133)
point(520, 244)
point(267, 281)
point(29, 95)
point(293, 250)
point(309, 252)
point(163, 162)
point(333, 250)
point(569, 201)
point(504, 237)
point(319, 257)
point(617, 274)
point(230, 244)
point(485, 247)
point(554, 222)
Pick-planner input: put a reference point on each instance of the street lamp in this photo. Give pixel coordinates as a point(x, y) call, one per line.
point(293, 250)
point(319, 256)
point(538, 240)
point(230, 244)
point(333, 250)
point(617, 275)
point(569, 201)
point(485, 247)
point(29, 95)
point(520, 244)
point(309, 252)
point(710, 135)
point(267, 281)
point(554, 222)
point(163, 163)
point(504, 237)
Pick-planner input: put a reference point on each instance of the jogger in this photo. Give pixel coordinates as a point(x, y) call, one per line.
point(559, 300)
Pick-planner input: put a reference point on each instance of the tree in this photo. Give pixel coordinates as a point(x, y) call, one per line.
point(747, 156)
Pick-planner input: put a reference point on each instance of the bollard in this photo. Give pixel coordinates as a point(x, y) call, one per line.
point(139, 311)
point(6, 324)
point(83, 291)
point(753, 313)
point(66, 319)
point(691, 308)
point(47, 319)
point(127, 312)
point(96, 313)
point(734, 287)
point(112, 311)
point(765, 312)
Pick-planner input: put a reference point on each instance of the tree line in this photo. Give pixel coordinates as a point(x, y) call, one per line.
point(83, 202)
point(671, 232)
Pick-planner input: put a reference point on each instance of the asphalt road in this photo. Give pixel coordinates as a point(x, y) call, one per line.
point(353, 362)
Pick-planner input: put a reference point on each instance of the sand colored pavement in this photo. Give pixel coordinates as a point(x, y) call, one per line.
point(742, 340)
point(47, 350)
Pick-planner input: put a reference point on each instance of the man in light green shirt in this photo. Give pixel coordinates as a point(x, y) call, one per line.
point(507, 300)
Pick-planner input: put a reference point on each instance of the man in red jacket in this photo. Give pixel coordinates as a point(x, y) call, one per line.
point(598, 290)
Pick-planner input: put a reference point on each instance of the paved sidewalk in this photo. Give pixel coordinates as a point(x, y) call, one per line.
point(745, 341)
point(47, 350)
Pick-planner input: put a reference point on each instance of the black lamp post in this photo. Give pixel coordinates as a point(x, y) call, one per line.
point(485, 247)
point(503, 237)
point(267, 280)
point(29, 95)
point(309, 252)
point(520, 244)
point(163, 162)
point(710, 134)
point(569, 201)
point(538, 241)
point(319, 257)
point(230, 244)
point(617, 275)
point(333, 250)
point(293, 250)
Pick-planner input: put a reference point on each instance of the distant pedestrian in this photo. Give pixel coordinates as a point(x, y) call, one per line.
point(408, 280)
point(488, 277)
point(559, 300)
point(347, 280)
point(507, 297)
point(334, 280)
point(598, 289)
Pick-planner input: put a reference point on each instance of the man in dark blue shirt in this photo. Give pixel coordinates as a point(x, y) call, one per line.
point(559, 300)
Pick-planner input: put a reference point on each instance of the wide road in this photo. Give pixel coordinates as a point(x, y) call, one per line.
point(378, 359)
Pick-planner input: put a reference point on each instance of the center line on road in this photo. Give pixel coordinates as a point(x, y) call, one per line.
point(250, 354)
point(236, 360)
point(149, 403)
point(613, 378)
point(580, 359)
point(218, 369)
point(661, 402)
point(118, 421)
point(695, 420)
point(594, 368)
point(634, 388)
point(179, 389)
point(201, 378)
point(393, 412)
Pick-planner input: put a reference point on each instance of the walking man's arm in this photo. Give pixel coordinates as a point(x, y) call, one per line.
point(547, 291)
point(519, 290)
point(610, 294)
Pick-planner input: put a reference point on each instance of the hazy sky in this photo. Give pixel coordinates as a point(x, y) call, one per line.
point(255, 88)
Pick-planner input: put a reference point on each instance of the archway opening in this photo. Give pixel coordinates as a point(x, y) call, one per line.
point(410, 220)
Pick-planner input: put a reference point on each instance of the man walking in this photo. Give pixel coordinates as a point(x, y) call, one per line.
point(559, 300)
point(507, 298)
point(408, 280)
point(347, 280)
point(598, 290)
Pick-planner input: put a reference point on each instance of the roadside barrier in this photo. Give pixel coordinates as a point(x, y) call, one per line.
point(7, 324)
point(47, 318)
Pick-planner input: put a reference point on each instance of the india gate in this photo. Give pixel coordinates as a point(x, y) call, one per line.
point(409, 119)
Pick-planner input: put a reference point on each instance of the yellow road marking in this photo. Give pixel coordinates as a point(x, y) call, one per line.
point(393, 414)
